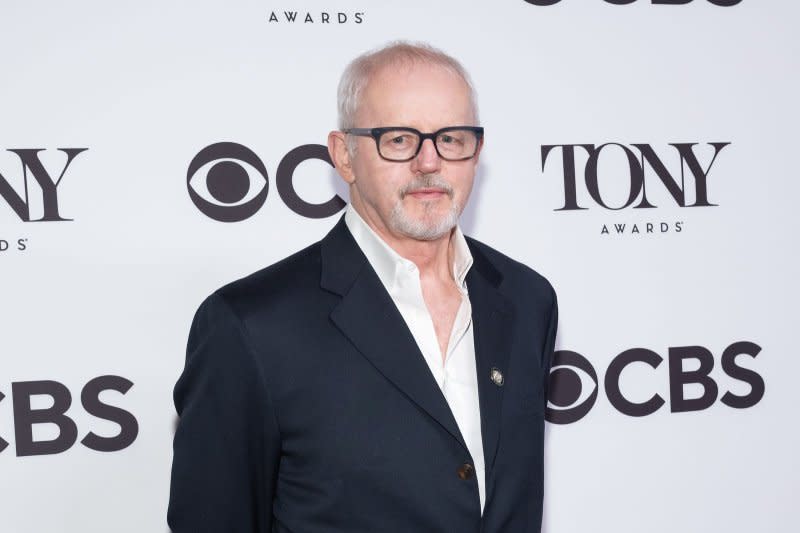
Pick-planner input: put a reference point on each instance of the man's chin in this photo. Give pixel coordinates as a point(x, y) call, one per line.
point(425, 229)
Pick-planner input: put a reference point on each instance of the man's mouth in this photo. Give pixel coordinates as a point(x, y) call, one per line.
point(426, 193)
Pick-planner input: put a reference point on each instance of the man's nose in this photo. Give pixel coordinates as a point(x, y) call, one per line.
point(427, 159)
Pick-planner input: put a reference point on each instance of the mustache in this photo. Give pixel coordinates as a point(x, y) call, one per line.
point(427, 181)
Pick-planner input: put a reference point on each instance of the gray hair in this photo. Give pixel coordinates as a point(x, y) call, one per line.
point(358, 73)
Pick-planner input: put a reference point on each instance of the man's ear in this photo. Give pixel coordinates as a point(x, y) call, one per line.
point(340, 155)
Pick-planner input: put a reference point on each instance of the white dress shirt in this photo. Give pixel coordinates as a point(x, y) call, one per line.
point(456, 375)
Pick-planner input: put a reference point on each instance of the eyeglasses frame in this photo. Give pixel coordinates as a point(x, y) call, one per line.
point(376, 133)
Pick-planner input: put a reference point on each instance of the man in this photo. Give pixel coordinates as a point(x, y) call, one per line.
point(391, 377)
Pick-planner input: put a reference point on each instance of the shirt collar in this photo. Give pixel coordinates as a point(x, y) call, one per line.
point(388, 264)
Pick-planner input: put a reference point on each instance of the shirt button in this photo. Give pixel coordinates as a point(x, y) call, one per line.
point(465, 471)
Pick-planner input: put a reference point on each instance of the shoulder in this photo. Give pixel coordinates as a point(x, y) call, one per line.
point(292, 279)
point(515, 278)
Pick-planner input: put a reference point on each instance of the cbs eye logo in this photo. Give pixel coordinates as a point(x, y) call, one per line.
point(228, 182)
point(573, 384)
point(568, 389)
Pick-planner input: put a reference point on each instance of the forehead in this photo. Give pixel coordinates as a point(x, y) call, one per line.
point(420, 95)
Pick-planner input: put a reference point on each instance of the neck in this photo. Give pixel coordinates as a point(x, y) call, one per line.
point(433, 258)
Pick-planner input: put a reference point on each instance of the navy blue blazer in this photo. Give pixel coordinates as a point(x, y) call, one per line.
point(306, 406)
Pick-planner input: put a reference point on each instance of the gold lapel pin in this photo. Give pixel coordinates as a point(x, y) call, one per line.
point(497, 377)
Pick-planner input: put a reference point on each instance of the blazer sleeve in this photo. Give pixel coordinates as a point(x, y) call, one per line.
point(549, 345)
point(227, 442)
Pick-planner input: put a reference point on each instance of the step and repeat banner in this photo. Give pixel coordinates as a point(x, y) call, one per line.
point(641, 154)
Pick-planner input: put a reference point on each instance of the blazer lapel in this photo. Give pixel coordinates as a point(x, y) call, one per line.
point(493, 319)
point(367, 316)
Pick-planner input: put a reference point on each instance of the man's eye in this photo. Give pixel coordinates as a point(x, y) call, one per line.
point(448, 139)
point(400, 139)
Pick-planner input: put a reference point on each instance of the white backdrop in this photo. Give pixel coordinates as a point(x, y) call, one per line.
point(146, 86)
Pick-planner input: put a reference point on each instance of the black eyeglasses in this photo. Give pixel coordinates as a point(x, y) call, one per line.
point(455, 143)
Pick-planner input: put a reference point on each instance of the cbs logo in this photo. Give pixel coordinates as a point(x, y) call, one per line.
point(58, 396)
point(229, 183)
point(574, 385)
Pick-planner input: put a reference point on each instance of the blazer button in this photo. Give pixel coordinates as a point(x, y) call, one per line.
point(465, 471)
